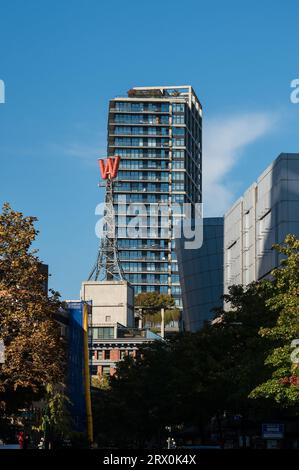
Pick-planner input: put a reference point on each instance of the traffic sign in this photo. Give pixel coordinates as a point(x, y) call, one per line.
point(273, 431)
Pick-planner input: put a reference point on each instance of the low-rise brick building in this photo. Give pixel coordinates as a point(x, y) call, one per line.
point(112, 342)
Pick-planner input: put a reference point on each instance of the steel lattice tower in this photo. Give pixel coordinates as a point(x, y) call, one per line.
point(108, 266)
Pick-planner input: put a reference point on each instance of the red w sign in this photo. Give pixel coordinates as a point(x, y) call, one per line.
point(109, 168)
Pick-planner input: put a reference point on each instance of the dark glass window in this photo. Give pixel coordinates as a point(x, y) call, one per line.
point(178, 107)
point(178, 142)
point(178, 176)
point(103, 332)
point(178, 131)
point(178, 119)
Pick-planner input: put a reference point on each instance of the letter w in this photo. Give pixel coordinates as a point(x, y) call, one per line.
point(109, 168)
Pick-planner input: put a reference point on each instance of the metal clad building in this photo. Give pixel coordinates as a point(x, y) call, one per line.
point(201, 273)
point(264, 215)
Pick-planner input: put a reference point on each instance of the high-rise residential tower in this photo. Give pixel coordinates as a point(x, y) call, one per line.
point(157, 132)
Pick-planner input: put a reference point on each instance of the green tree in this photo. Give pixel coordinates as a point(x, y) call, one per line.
point(140, 401)
point(151, 303)
point(282, 384)
point(224, 360)
point(243, 353)
point(191, 378)
point(35, 353)
point(56, 420)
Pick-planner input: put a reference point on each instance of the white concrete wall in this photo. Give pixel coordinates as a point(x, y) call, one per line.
point(232, 244)
point(112, 301)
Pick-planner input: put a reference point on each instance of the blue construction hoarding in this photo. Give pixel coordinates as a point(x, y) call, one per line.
point(75, 383)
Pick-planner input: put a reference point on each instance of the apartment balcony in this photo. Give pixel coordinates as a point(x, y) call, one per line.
point(142, 136)
point(146, 271)
point(144, 157)
point(144, 145)
point(137, 111)
point(155, 123)
point(143, 180)
point(144, 260)
point(155, 247)
point(137, 191)
point(147, 283)
point(127, 171)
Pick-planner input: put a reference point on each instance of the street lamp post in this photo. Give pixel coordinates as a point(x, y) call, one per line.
point(2, 352)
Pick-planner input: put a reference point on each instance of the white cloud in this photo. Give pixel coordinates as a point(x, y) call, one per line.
point(87, 145)
point(85, 152)
point(224, 139)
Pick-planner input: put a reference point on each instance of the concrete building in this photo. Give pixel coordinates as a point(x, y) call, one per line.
point(112, 335)
point(112, 302)
point(201, 275)
point(265, 214)
point(157, 133)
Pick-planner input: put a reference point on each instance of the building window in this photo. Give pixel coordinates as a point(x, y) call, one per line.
point(178, 164)
point(107, 318)
point(175, 290)
point(178, 131)
point(100, 355)
point(178, 154)
point(152, 142)
point(107, 354)
point(178, 142)
point(178, 119)
point(174, 267)
point(178, 176)
point(163, 289)
point(106, 370)
point(103, 333)
point(94, 370)
point(122, 354)
point(177, 186)
point(178, 108)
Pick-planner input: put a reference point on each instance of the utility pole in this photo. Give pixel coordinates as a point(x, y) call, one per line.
point(2, 352)
point(162, 322)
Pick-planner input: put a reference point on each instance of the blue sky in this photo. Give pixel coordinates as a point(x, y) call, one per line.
point(62, 61)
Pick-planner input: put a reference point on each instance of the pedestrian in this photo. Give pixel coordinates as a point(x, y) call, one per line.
point(26, 442)
point(41, 444)
point(21, 439)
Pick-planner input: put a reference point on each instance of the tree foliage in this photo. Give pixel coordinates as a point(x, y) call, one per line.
point(151, 303)
point(56, 420)
point(282, 384)
point(34, 351)
point(243, 354)
point(189, 379)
